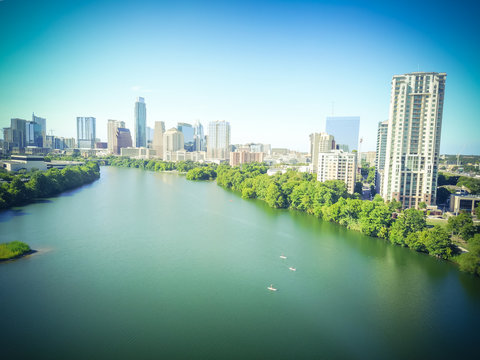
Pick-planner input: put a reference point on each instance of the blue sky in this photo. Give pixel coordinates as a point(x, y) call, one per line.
point(273, 69)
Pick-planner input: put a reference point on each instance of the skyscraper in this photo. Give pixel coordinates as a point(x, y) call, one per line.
point(41, 129)
point(140, 123)
point(33, 134)
point(172, 141)
point(187, 131)
point(218, 146)
point(413, 138)
point(158, 132)
point(86, 132)
point(380, 154)
point(320, 143)
point(199, 137)
point(16, 136)
point(112, 126)
point(123, 139)
point(345, 130)
point(149, 132)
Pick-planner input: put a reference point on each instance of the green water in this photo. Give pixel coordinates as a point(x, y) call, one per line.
point(148, 265)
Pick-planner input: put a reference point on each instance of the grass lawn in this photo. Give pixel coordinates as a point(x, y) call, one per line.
point(440, 222)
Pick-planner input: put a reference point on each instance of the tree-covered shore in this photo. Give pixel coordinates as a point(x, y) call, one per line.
point(193, 170)
point(22, 189)
point(331, 202)
point(13, 249)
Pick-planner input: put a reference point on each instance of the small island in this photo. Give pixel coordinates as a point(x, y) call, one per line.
point(13, 250)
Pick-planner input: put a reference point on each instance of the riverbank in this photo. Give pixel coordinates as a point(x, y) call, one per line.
point(19, 190)
point(14, 250)
point(328, 201)
point(204, 255)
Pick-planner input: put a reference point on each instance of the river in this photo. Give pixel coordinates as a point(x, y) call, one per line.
point(144, 265)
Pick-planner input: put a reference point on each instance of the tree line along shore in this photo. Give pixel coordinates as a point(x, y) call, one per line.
point(328, 201)
point(24, 188)
point(331, 202)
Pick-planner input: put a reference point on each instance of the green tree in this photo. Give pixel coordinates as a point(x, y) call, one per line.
point(19, 192)
point(275, 197)
point(415, 241)
point(374, 217)
point(437, 242)
point(358, 188)
point(410, 221)
point(461, 225)
point(395, 205)
point(442, 195)
point(470, 262)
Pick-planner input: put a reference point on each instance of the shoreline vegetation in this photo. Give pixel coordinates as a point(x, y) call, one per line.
point(23, 189)
point(14, 250)
point(330, 201)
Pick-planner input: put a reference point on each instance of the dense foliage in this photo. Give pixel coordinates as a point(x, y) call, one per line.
point(443, 194)
point(472, 184)
point(470, 262)
point(21, 190)
point(160, 165)
point(461, 225)
point(330, 201)
point(368, 173)
point(13, 249)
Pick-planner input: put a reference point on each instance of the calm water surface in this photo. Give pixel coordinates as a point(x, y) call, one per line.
point(149, 265)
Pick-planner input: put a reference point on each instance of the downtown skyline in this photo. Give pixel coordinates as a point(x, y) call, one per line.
point(275, 71)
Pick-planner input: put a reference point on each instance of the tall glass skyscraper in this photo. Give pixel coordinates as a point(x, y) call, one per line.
point(41, 129)
point(345, 131)
point(86, 132)
point(199, 137)
point(140, 123)
point(187, 131)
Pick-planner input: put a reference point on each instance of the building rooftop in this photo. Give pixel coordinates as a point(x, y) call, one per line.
point(467, 196)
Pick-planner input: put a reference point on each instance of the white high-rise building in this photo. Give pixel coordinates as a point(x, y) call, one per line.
point(140, 123)
point(218, 144)
point(413, 138)
point(112, 126)
point(380, 154)
point(338, 165)
point(320, 143)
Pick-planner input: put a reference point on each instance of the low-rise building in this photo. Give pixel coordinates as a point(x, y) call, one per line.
point(184, 155)
point(463, 202)
point(24, 162)
point(272, 172)
point(138, 152)
point(243, 157)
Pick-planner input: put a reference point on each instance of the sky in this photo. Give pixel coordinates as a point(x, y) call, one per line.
point(274, 69)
